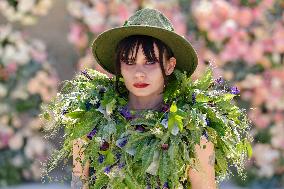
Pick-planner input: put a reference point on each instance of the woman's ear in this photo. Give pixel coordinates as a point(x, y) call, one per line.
point(170, 66)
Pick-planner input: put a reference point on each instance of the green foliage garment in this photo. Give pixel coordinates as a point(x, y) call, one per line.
point(151, 148)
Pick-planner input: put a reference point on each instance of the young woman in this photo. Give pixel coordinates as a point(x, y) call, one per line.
point(150, 126)
point(145, 52)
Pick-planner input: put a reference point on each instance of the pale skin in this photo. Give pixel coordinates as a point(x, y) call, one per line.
point(150, 97)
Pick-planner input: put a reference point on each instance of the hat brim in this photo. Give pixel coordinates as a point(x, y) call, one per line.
point(104, 46)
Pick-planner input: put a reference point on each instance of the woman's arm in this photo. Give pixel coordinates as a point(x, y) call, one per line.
point(204, 178)
point(80, 174)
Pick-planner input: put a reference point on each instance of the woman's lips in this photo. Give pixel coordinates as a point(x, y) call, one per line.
point(140, 85)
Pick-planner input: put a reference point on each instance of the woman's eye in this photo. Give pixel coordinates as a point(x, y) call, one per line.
point(151, 62)
point(129, 62)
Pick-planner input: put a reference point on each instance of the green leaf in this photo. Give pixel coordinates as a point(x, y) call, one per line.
point(107, 131)
point(173, 107)
point(164, 167)
point(46, 116)
point(147, 157)
point(178, 120)
point(76, 114)
point(130, 183)
point(101, 181)
point(202, 98)
point(222, 164)
point(185, 152)
point(248, 147)
point(204, 82)
point(171, 121)
point(109, 158)
point(228, 96)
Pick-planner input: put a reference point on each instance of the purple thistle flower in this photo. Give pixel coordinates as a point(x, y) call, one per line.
point(126, 114)
point(93, 177)
point(165, 107)
point(64, 111)
point(101, 158)
point(104, 146)
point(139, 128)
point(123, 142)
point(102, 90)
point(204, 133)
point(220, 81)
point(85, 73)
point(207, 121)
point(88, 105)
point(193, 98)
point(107, 169)
point(118, 155)
point(92, 133)
point(121, 165)
point(166, 185)
point(235, 90)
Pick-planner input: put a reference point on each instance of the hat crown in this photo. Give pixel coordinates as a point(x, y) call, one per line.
point(149, 17)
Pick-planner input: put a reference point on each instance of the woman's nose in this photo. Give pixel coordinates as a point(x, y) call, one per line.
point(139, 71)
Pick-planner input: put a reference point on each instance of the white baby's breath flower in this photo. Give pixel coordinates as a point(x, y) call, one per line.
point(156, 130)
point(149, 115)
point(94, 101)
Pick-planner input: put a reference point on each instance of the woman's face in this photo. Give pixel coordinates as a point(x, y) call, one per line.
point(144, 78)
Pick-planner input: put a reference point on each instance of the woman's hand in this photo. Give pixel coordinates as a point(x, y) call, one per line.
point(204, 177)
point(80, 174)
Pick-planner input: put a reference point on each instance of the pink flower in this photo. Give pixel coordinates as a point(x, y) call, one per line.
point(123, 13)
point(254, 53)
point(38, 56)
point(235, 48)
point(268, 45)
point(5, 134)
point(260, 120)
point(244, 17)
point(265, 157)
point(278, 38)
point(11, 68)
point(78, 36)
point(277, 133)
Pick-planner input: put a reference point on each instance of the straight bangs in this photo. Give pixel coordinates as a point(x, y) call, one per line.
point(127, 50)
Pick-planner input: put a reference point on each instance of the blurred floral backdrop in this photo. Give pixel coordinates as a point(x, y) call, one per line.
point(242, 39)
point(27, 79)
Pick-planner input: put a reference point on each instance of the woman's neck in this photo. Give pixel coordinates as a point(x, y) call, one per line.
point(145, 103)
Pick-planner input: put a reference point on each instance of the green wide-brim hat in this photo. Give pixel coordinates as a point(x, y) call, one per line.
point(150, 22)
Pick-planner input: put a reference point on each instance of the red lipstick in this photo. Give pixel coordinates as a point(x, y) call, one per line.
point(140, 85)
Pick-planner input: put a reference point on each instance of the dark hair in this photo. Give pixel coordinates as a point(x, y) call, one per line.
point(130, 45)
